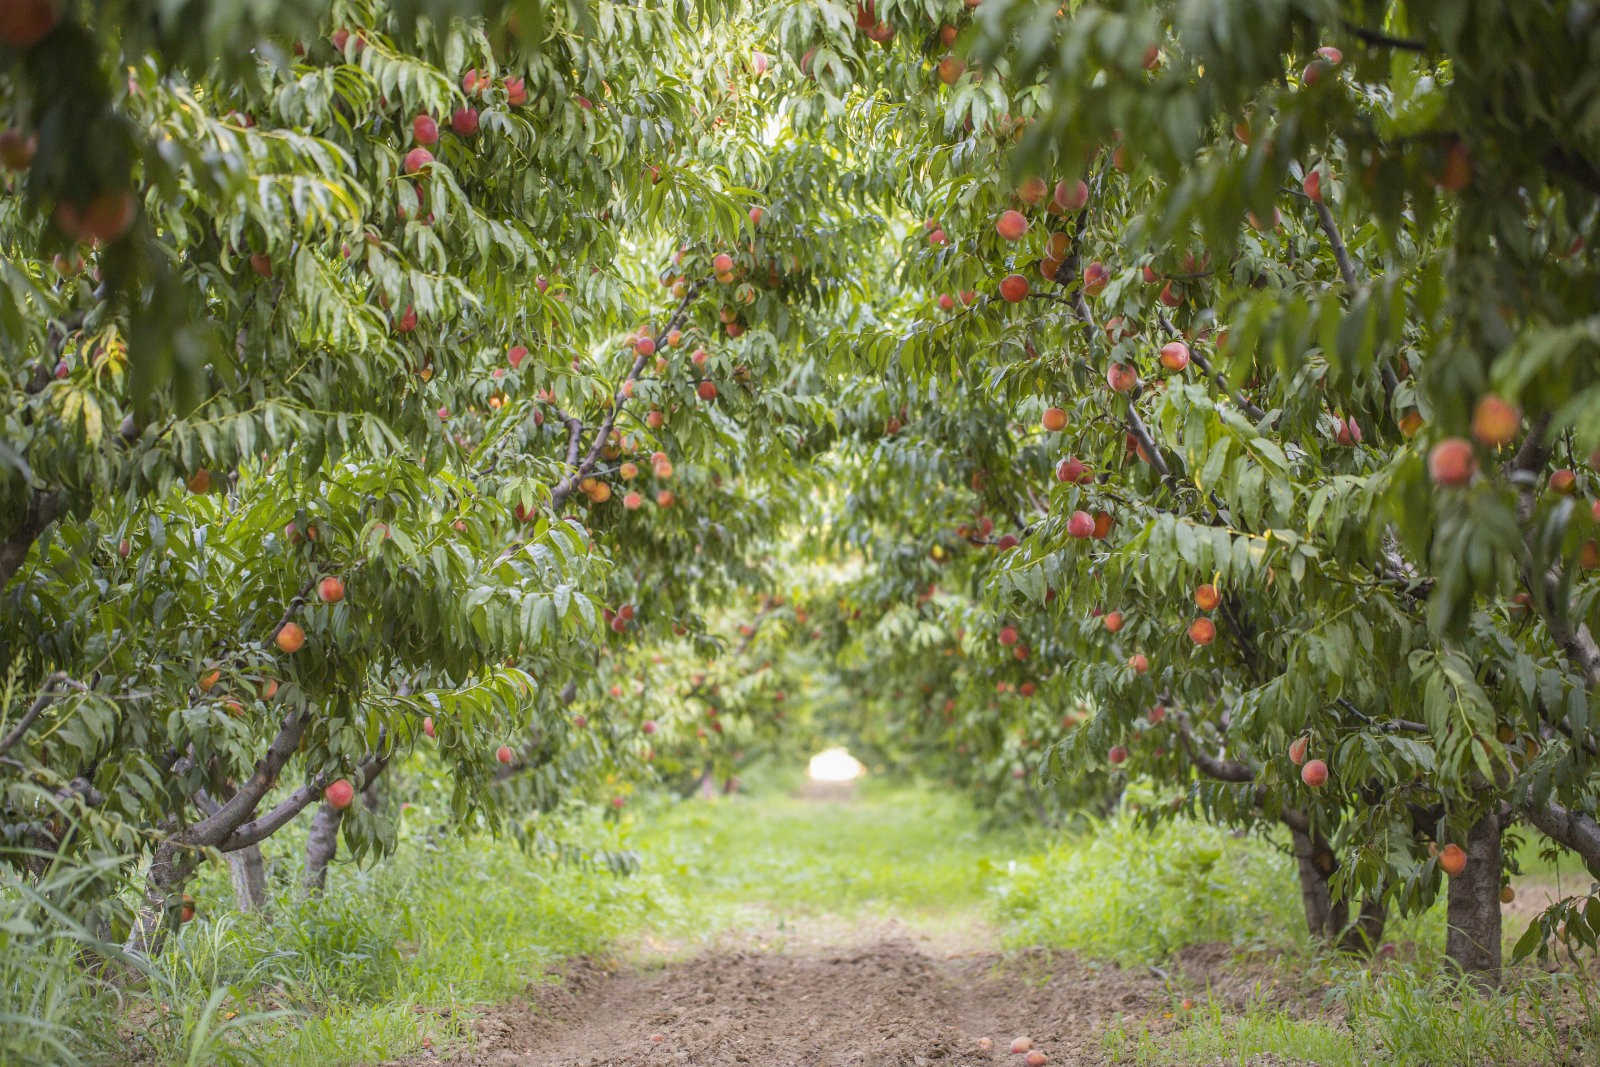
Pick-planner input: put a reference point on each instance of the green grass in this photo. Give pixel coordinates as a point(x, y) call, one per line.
point(407, 950)
point(1137, 896)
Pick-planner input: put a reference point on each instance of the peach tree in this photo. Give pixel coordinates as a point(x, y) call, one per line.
point(1239, 357)
point(380, 367)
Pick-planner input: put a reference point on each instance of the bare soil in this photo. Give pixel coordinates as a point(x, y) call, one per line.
point(832, 995)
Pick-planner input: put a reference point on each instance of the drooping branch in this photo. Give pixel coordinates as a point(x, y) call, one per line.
point(1135, 424)
point(46, 697)
point(1381, 39)
point(1573, 829)
point(1224, 770)
point(1244, 403)
point(1347, 271)
point(1575, 640)
point(567, 485)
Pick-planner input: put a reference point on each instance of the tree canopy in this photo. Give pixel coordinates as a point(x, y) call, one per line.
point(1043, 394)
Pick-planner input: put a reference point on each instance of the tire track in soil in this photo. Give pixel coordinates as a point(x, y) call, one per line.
point(891, 997)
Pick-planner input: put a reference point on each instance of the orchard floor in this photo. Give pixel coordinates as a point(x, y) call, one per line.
point(823, 995)
point(820, 930)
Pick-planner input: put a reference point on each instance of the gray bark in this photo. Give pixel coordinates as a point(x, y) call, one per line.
point(249, 876)
point(321, 846)
point(1326, 916)
point(1473, 939)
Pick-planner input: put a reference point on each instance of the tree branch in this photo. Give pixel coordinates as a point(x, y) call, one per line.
point(1347, 271)
point(41, 510)
point(1135, 424)
point(1382, 40)
point(1243, 402)
point(1224, 770)
point(565, 487)
point(1574, 829)
point(46, 697)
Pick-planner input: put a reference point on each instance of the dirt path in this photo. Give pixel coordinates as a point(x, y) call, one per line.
point(827, 996)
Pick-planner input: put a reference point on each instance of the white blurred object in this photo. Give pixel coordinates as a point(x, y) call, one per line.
point(835, 765)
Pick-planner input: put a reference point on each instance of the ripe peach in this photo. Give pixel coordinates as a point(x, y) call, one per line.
point(1102, 525)
point(1095, 278)
point(427, 725)
point(1112, 621)
point(1012, 225)
point(1081, 525)
point(1314, 773)
point(1563, 482)
point(1071, 196)
point(1121, 377)
point(339, 794)
point(1175, 355)
point(1202, 631)
point(425, 130)
point(1008, 635)
point(937, 237)
point(1207, 597)
point(208, 680)
point(330, 590)
point(416, 159)
point(1073, 470)
point(1138, 663)
point(1054, 420)
point(665, 499)
point(24, 23)
point(1410, 423)
point(516, 92)
point(1495, 421)
point(1451, 462)
point(1014, 288)
point(707, 390)
point(1312, 184)
point(1452, 859)
point(654, 419)
point(1457, 170)
point(186, 908)
point(645, 346)
point(1349, 432)
point(947, 302)
point(1507, 894)
point(1297, 749)
point(464, 121)
point(290, 637)
point(516, 355)
point(503, 753)
point(951, 69)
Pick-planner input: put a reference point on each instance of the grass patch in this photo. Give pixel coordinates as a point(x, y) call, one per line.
point(1138, 895)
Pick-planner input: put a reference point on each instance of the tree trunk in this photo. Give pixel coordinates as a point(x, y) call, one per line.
point(249, 878)
point(1326, 916)
point(321, 846)
point(1473, 938)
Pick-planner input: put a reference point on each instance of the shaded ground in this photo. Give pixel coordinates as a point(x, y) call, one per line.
point(828, 995)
